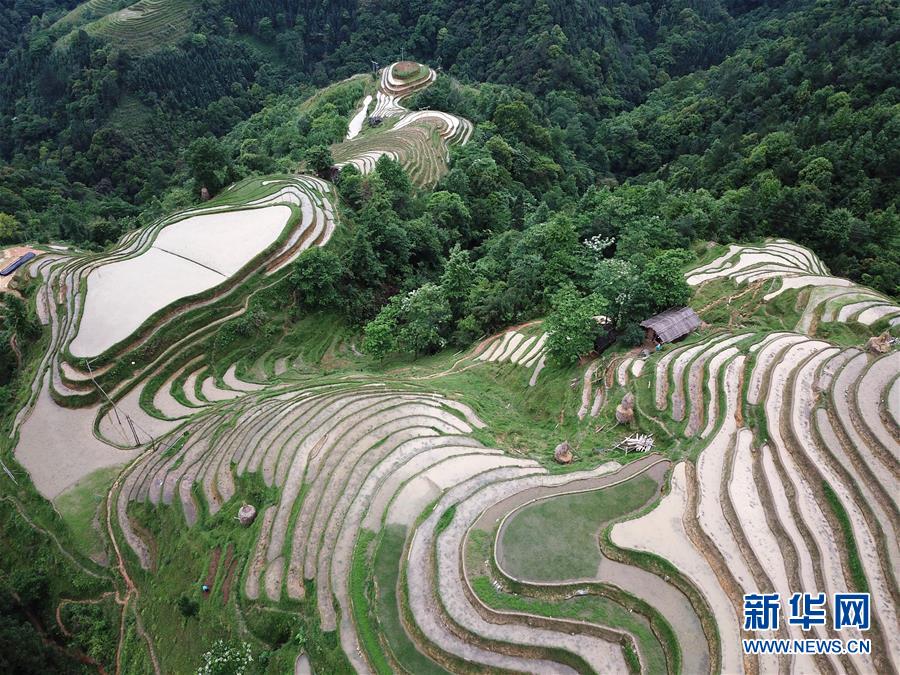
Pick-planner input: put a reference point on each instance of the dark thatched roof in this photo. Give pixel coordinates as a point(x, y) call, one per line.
point(673, 323)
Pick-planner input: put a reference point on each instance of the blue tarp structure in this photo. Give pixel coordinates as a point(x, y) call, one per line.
point(16, 264)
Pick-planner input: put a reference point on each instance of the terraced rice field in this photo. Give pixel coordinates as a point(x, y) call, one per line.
point(387, 517)
point(786, 266)
point(141, 26)
point(419, 140)
point(752, 513)
point(86, 11)
point(518, 348)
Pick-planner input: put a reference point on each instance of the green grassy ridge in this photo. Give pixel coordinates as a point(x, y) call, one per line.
point(857, 572)
point(604, 605)
point(386, 567)
point(524, 420)
point(356, 86)
point(411, 74)
point(183, 560)
point(294, 339)
point(154, 384)
point(80, 504)
point(311, 337)
point(361, 600)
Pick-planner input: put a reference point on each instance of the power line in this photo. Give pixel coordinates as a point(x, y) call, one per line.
point(132, 424)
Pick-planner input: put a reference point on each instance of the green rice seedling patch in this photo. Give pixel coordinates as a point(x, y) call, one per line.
point(569, 526)
point(386, 573)
point(80, 505)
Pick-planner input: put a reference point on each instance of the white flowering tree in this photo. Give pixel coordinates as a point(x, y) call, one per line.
point(225, 658)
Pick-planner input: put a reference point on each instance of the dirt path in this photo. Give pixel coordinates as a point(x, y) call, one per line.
point(53, 537)
point(67, 601)
point(752, 288)
point(14, 345)
point(75, 654)
point(132, 593)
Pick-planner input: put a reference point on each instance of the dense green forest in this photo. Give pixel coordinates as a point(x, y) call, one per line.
point(613, 139)
point(643, 126)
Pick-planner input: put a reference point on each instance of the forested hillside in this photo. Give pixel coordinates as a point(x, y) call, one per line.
point(377, 268)
point(755, 118)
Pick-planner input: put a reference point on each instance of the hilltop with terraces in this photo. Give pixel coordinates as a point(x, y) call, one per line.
point(414, 514)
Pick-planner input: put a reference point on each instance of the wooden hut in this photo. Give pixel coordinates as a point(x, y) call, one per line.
point(671, 325)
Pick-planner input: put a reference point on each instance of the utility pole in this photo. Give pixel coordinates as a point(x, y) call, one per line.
point(9, 473)
point(91, 373)
point(137, 441)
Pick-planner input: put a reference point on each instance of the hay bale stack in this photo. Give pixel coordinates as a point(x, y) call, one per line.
point(563, 453)
point(625, 410)
point(247, 515)
point(880, 344)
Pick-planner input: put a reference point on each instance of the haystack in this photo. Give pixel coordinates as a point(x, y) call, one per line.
point(247, 514)
point(563, 453)
point(880, 344)
point(625, 410)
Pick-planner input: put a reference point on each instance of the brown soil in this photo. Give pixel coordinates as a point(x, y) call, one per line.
point(405, 69)
point(213, 567)
point(229, 555)
point(739, 409)
point(229, 579)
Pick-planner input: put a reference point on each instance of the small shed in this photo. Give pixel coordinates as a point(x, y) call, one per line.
point(671, 324)
point(16, 264)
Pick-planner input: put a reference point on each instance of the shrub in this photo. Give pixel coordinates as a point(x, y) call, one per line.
point(188, 606)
